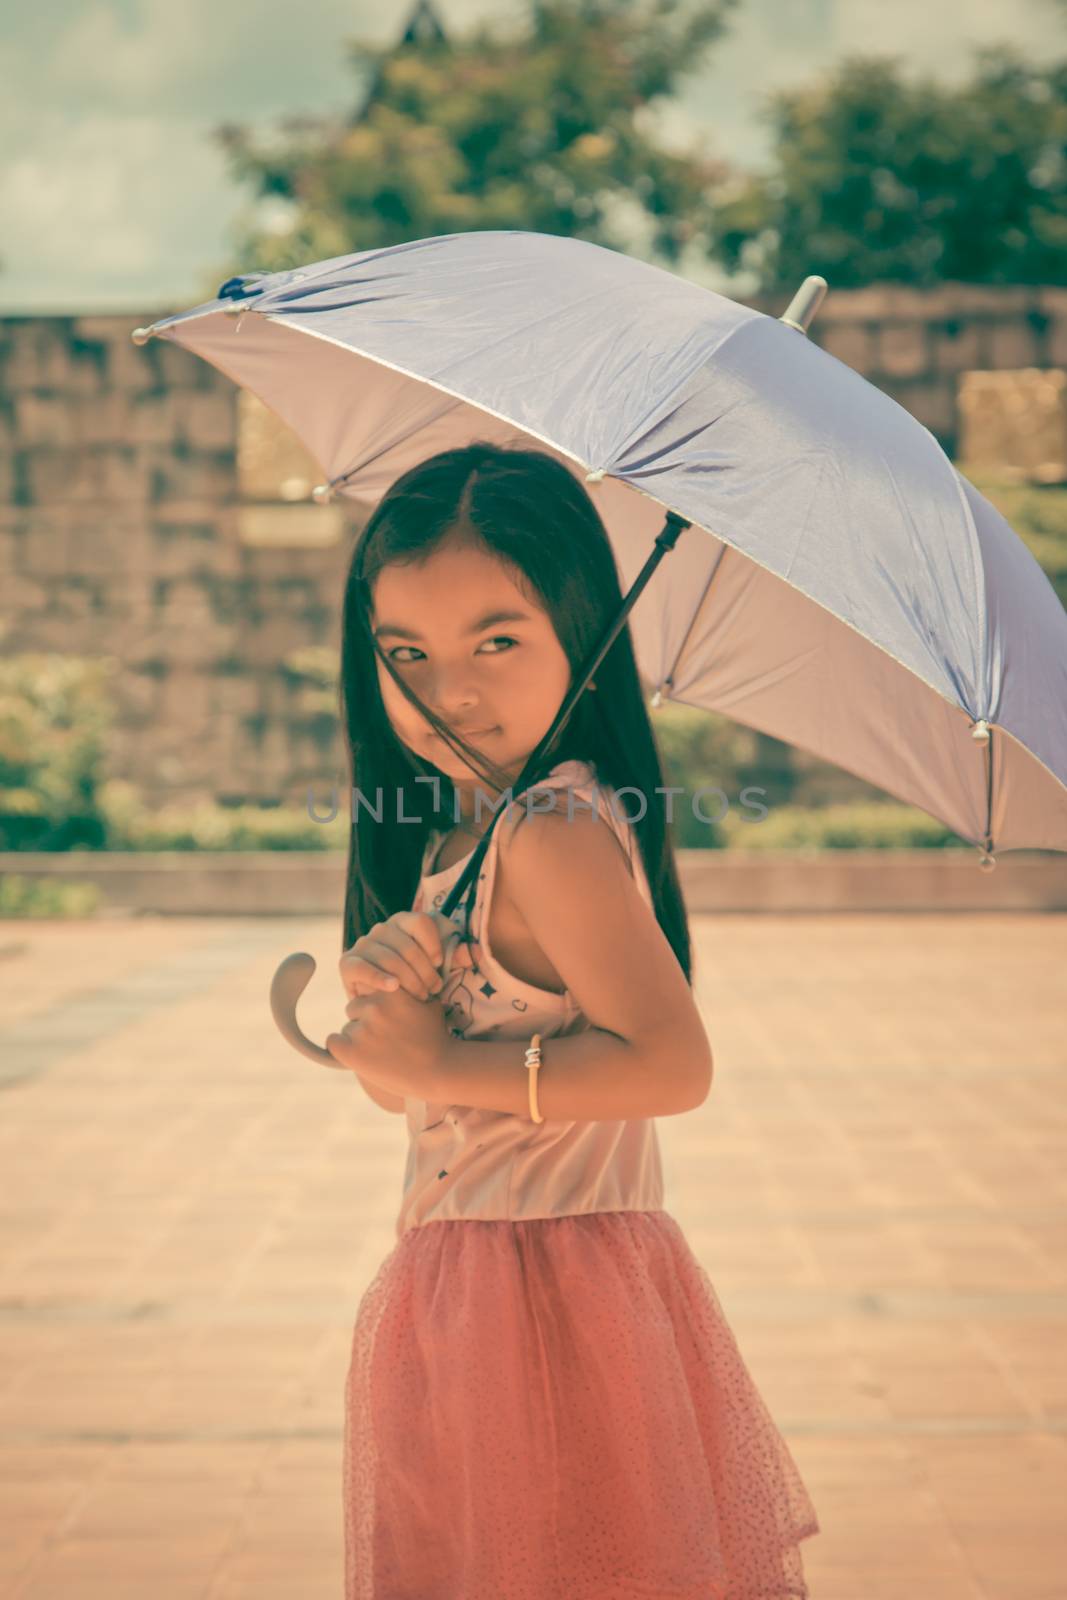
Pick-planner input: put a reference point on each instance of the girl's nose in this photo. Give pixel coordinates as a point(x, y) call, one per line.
point(453, 700)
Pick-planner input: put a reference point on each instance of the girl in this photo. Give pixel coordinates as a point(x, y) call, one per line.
point(544, 1401)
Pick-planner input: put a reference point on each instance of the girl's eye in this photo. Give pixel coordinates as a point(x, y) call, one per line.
point(497, 639)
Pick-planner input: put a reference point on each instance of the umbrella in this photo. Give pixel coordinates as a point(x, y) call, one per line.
point(840, 584)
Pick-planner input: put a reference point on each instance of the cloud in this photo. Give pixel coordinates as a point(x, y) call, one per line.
point(108, 209)
point(113, 194)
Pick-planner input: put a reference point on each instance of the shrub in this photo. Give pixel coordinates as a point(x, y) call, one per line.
point(46, 897)
point(55, 712)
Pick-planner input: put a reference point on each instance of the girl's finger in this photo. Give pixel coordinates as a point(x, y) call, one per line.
point(370, 980)
point(362, 973)
point(424, 930)
point(412, 955)
point(410, 967)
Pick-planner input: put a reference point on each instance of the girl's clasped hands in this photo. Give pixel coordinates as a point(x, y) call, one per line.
point(396, 1036)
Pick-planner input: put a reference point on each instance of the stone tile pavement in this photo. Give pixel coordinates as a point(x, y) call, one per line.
point(190, 1212)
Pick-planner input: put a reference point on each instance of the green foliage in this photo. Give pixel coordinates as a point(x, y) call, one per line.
point(857, 825)
point(46, 897)
point(207, 826)
point(882, 177)
point(535, 124)
point(704, 750)
point(55, 713)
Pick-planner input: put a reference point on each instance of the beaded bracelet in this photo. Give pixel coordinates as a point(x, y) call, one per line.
point(533, 1061)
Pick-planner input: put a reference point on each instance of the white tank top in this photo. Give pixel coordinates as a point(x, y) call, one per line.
point(472, 1163)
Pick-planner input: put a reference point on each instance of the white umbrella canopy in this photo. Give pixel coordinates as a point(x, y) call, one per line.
point(841, 587)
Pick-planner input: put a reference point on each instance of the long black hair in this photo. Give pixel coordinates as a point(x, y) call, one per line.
point(527, 509)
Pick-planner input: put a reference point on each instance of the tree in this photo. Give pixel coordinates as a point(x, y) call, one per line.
point(879, 178)
point(540, 125)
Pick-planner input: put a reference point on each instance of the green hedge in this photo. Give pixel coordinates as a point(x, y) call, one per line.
point(130, 826)
point(46, 897)
point(55, 714)
point(861, 825)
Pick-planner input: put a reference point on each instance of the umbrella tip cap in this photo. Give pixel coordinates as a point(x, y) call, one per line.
point(141, 335)
point(322, 494)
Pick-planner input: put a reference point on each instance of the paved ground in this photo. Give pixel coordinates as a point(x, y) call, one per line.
point(190, 1212)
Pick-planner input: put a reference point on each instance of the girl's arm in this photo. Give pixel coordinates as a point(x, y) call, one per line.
point(646, 1053)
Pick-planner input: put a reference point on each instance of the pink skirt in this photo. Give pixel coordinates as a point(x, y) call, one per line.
point(556, 1409)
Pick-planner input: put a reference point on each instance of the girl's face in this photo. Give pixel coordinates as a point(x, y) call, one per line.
point(474, 649)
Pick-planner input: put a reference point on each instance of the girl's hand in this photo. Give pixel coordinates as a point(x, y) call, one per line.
point(396, 1042)
point(403, 952)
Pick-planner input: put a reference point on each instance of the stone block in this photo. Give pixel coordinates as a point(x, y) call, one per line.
point(137, 698)
point(932, 402)
point(208, 480)
point(106, 475)
point(67, 421)
point(109, 546)
point(1012, 345)
point(152, 418)
point(180, 369)
point(1052, 300)
point(289, 527)
point(132, 368)
point(958, 345)
point(188, 635)
point(107, 421)
point(850, 342)
point(75, 597)
point(38, 354)
point(1056, 342)
point(207, 419)
point(185, 703)
point(54, 630)
point(902, 350)
point(852, 305)
point(1015, 423)
point(23, 594)
point(45, 548)
point(235, 697)
point(10, 553)
point(46, 418)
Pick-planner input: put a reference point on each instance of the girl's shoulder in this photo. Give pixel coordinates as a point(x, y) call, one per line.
point(574, 790)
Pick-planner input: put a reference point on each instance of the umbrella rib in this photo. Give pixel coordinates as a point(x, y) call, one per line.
point(368, 461)
point(669, 679)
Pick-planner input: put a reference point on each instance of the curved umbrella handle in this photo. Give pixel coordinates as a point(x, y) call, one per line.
point(287, 985)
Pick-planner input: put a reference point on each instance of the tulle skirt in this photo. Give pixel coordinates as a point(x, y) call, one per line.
point(557, 1409)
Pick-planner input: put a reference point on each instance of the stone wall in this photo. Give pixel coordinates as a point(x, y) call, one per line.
point(127, 530)
point(121, 535)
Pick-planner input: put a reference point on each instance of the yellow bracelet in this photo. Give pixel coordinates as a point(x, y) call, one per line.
point(533, 1061)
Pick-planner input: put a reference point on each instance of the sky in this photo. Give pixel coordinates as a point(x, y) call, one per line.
point(114, 197)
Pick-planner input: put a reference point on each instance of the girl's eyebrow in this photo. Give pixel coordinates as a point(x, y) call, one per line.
point(483, 622)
